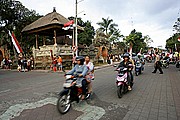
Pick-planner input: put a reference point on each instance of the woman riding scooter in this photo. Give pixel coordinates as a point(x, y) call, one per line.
point(80, 70)
point(127, 64)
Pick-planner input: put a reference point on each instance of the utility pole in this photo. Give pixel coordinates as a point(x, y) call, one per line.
point(76, 40)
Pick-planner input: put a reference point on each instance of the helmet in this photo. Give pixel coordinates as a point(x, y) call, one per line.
point(126, 55)
point(80, 58)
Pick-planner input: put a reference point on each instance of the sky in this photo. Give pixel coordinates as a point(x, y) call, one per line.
point(151, 17)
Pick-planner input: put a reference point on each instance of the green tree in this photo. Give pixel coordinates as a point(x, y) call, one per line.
point(14, 16)
point(136, 40)
point(100, 38)
point(107, 26)
point(148, 40)
point(176, 26)
point(110, 31)
point(172, 41)
point(87, 35)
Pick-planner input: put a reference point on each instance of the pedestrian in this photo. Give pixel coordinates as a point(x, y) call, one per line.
point(157, 64)
point(108, 59)
point(74, 60)
point(6, 63)
point(25, 64)
point(29, 64)
point(54, 64)
point(90, 73)
point(9, 64)
point(59, 60)
point(32, 63)
point(19, 64)
point(111, 59)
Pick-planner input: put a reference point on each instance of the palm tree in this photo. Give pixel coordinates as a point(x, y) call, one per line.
point(107, 25)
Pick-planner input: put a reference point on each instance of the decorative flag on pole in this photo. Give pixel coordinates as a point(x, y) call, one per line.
point(15, 42)
point(179, 39)
point(69, 23)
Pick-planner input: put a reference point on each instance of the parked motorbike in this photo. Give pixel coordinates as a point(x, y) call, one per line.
point(165, 63)
point(121, 81)
point(138, 67)
point(72, 92)
point(178, 64)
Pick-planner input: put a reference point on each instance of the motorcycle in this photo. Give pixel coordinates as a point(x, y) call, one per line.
point(165, 63)
point(138, 68)
point(178, 64)
point(72, 92)
point(121, 81)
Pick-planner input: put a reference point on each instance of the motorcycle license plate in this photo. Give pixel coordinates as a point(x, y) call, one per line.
point(67, 85)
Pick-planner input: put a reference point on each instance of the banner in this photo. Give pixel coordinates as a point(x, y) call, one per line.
point(15, 42)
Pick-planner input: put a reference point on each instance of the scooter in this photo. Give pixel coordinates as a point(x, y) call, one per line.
point(165, 63)
point(72, 92)
point(138, 68)
point(178, 64)
point(121, 81)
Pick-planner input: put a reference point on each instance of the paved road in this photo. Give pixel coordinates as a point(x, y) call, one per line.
point(154, 97)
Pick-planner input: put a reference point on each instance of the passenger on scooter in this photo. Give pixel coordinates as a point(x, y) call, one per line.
point(81, 70)
point(127, 64)
point(90, 74)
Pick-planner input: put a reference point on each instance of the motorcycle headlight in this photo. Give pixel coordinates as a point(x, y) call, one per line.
point(68, 76)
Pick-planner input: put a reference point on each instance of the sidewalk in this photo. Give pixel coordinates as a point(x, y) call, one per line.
point(96, 67)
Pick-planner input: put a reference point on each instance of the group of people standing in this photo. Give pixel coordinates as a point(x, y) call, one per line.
point(6, 63)
point(57, 63)
point(25, 64)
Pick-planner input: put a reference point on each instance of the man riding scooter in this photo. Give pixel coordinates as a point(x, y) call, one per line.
point(127, 64)
point(81, 70)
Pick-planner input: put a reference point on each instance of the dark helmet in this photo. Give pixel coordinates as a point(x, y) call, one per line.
point(126, 55)
point(80, 58)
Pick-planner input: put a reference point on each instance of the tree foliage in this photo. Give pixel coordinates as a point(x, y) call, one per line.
point(136, 40)
point(109, 29)
point(170, 42)
point(87, 35)
point(107, 25)
point(176, 26)
point(14, 17)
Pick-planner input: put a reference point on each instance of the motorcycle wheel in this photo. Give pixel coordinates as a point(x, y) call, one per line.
point(63, 103)
point(137, 73)
point(120, 91)
point(177, 65)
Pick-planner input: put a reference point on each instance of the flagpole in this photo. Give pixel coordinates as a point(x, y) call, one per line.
point(76, 41)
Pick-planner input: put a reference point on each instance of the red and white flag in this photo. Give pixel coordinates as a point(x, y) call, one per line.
point(15, 42)
point(69, 23)
point(179, 39)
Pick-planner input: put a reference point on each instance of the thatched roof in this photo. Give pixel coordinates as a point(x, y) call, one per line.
point(48, 23)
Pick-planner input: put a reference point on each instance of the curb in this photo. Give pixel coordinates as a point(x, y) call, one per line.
point(50, 71)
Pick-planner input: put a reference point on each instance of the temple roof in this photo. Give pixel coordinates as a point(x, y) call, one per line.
point(47, 23)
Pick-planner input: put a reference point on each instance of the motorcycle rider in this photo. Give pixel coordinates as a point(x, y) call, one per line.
point(127, 64)
point(80, 70)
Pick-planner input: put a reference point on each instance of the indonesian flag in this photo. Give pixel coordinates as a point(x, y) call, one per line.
point(179, 39)
point(15, 42)
point(69, 23)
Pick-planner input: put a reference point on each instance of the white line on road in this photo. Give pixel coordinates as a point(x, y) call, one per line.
point(89, 111)
point(4, 91)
